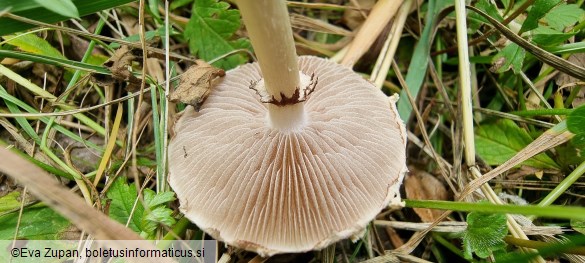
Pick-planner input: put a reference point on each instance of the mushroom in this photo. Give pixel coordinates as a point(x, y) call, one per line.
point(289, 154)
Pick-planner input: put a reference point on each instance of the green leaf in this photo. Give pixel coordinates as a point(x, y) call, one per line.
point(179, 3)
point(33, 44)
point(576, 120)
point(156, 212)
point(576, 125)
point(485, 233)
point(123, 203)
point(538, 11)
point(578, 225)
point(37, 222)
point(32, 10)
point(511, 56)
point(546, 36)
point(151, 199)
point(9, 201)
point(579, 140)
point(161, 215)
point(419, 62)
point(210, 30)
point(490, 9)
point(563, 16)
point(499, 141)
point(62, 7)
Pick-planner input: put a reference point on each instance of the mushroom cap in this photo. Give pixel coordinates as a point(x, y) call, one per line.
point(273, 191)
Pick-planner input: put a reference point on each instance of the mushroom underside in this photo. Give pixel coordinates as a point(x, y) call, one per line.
point(274, 191)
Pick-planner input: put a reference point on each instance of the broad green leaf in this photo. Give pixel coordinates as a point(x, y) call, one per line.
point(576, 125)
point(62, 7)
point(161, 215)
point(511, 56)
point(33, 44)
point(576, 120)
point(37, 222)
point(179, 3)
point(151, 199)
point(538, 11)
point(570, 153)
point(485, 233)
point(151, 220)
point(144, 221)
point(32, 10)
point(546, 36)
point(578, 225)
point(499, 141)
point(156, 212)
point(563, 16)
point(579, 140)
point(9, 201)
point(123, 204)
point(210, 31)
point(153, 7)
point(489, 8)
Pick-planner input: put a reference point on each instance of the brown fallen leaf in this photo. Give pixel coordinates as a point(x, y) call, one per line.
point(119, 64)
point(420, 185)
point(196, 84)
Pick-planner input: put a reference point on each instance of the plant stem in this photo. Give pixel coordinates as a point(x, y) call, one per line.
point(563, 248)
point(270, 32)
point(268, 26)
point(553, 211)
point(563, 186)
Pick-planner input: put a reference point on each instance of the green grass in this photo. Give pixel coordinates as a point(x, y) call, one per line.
point(471, 114)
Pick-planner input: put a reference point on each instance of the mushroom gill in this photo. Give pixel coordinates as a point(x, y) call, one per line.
point(288, 190)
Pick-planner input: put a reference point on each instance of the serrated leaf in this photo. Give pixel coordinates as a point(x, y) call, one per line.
point(150, 221)
point(538, 11)
point(209, 32)
point(152, 199)
point(499, 141)
point(484, 234)
point(161, 215)
point(62, 7)
point(563, 16)
point(122, 205)
point(511, 56)
point(37, 222)
point(33, 44)
point(546, 36)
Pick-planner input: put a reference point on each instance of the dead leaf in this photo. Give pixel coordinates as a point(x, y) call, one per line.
point(354, 18)
point(120, 64)
point(196, 84)
point(564, 80)
point(421, 185)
